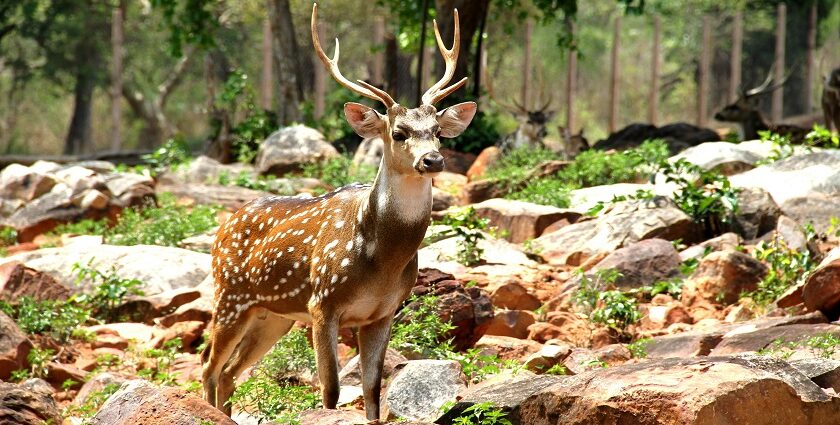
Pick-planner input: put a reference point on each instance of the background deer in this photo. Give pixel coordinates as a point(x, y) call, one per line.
point(344, 259)
point(744, 111)
point(831, 100)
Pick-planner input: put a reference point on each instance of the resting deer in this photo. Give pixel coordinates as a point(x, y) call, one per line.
point(744, 111)
point(831, 100)
point(533, 124)
point(344, 259)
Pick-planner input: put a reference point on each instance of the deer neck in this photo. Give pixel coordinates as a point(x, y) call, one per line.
point(396, 214)
point(753, 124)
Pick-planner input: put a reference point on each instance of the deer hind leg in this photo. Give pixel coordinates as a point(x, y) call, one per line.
point(224, 338)
point(324, 338)
point(373, 341)
point(260, 336)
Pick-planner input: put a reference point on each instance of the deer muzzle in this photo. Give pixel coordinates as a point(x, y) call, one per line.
point(430, 162)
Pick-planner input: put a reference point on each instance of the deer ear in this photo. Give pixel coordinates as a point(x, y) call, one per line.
point(455, 119)
point(366, 122)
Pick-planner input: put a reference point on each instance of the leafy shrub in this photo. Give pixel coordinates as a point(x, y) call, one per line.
point(92, 403)
point(485, 413)
point(482, 132)
point(83, 227)
point(110, 291)
point(172, 154)
point(237, 94)
point(57, 319)
point(596, 167)
point(268, 393)
point(515, 165)
point(339, 171)
point(616, 310)
point(465, 224)
point(638, 349)
point(420, 330)
point(545, 191)
point(590, 286)
point(167, 224)
point(477, 366)
point(164, 358)
point(822, 137)
point(8, 236)
point(788, 267)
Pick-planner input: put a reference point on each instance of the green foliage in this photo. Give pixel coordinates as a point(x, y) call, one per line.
point(822, 137)
point(419, 329)
point(640, 195)
point(164, 358)
point(478, 367)
point(482, 132)
point(706, 196)
point(110, 291)
point(38, 359)
point(823, 345)
point(167, 224)
point(268, 393)
point(465, 224)
point(638, 349)
point(237, 94)
point(482, 414)
point(515, 165)
point(339, 171)
point(595, 167)
point(788, 267)
point(590, 287)
point(172, 154)
point(8, 236)
point(83, 227)
point(188, 22)
point(616, 310)
point(671, 287)
point(57, 319)
point(557, 369)
point(545, 191)
point(332, 123)
point(92, 403)
point(782, 146)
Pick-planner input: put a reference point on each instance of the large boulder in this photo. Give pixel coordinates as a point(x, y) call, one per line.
point(230, 197)
point(642, 263)
point(44, 213)
point(351, 373)
point(699, 391)
point(822, 288)
point(24, 183)
point(794, 177)
point(443, 254)
point(721, 278)
point(619, 225)
point(369, 153)
point(14, 347)
point(584, 199)
point(469, 309)
point(289, 148)
point(17, 280)
point(419, 390)
point(815, 208)
point(727, 158)
point(757, 213)
point(521, 220)
point(140, 402)
point(748, 340)
point(29, 403)
point(507, 396)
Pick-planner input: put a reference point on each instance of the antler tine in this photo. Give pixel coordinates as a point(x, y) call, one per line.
point(362, 88)
point(450, 58)
point(511, 108)
point(763, 87)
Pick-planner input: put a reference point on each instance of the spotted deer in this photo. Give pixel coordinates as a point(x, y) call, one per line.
point(344, 259)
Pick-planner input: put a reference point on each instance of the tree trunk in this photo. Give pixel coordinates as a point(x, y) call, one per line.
point(614, 79)
point(525, 94)
point(470, 13)
point(116, 77)
point(705, 70)
point(811, 45)
point(267, 80)
point(287, 61)
point(79, 135)
point(777, 99)
point(735, 56)
point(219, 145)
point(653, 94)
point(421, 52)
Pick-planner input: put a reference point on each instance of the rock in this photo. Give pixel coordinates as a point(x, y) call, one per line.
point(794, 177)
point(369, 152)
point(419, 390)
point(512, 323)
point(79, 179)
point(512, 295)
point(815, 208)
point(521, 220)
point(14, 347)
point(332, 417)
point(642, 263)
point(581, 360)
point(468, 309)
point(483, 162)
point(482, 190)
point(291, 147)
point(747, 340)
point(442, 200)
point(585, 198)
point(685, 391)
point(230, 197)
point(18, 281)
point(506, 396)
point(24, 183)
point(721, 278)
point(92, 199)
point(140, 402)
point(618, 226)
point(457, 162)
point(663, 316)
point(161, 269)
point(791, 233)
point(726, 241)
point(821, 291)
point(571, 327)
point(59, 373)
point(548, 356)
point(677, 136)
point(450, 183)
point(351, 373)
point(206, 170)
point(44, 213)
point(190, 333)
point(824, 372)
point(29, 403)
point(507, 348)
point(544, 331)
point(443, 254)
point(724, 157)
point(757, 213)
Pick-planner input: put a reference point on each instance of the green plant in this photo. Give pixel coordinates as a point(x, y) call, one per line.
point(782, 146)
point(482, 414)
point(465, 224)
point(557, 369)
point(339, 171)
point(269, 393)
point(164, 358)
point(477, 366)
point(706, 196)
point(57, 319)
point(591, 286)
point(19, 375)
point(824, 344)
point(167, 224)
point(8, 236)
point(92, 403)
point(787, 267)
point(110, 291)
point(616, 310)
point(236, 95)
point(482, 132)
point(545, 191)
point(38, 359)
point(638, 348)
point(822, 137)
point(172, 154)
point(671, 287)
point(83, 227)
point(419, 329)
point(641, 194)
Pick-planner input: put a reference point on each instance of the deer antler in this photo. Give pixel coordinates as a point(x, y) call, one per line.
point(450, 57)
point(765, 86)
point(362, 87)
point(514, 108)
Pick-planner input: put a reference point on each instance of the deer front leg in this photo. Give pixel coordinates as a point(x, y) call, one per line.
point(324, 337)
point(373, 341)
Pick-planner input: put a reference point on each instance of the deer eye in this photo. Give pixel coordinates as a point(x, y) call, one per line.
point(398, 136)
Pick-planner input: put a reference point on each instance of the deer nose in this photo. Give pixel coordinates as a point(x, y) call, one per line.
point(431, 162)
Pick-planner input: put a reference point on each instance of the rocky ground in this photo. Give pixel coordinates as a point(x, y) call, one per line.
point(636, 313)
